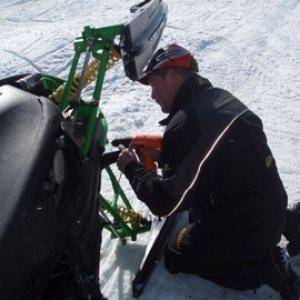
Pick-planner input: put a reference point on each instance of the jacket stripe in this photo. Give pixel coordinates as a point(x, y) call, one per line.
point(210, 151)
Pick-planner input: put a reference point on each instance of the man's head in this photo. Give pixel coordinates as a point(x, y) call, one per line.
point(166, 72)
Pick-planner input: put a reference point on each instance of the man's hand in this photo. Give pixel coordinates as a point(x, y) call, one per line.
point(126, 156)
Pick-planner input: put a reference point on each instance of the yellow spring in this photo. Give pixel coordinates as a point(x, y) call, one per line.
point(130, 216)
point(114, 57)
point(91, 75)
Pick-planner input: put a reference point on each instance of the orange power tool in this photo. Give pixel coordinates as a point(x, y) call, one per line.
point(145, 146)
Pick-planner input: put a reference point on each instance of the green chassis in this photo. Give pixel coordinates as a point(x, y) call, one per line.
point(99, 44)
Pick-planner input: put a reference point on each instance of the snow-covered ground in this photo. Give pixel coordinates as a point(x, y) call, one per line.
point(251, 48)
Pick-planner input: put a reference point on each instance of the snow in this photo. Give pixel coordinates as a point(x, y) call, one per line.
point(250, 48)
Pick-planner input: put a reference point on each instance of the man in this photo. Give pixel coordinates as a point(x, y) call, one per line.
point(215, 163)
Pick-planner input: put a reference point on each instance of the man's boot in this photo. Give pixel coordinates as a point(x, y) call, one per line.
point(278, 274)
point(292, 229)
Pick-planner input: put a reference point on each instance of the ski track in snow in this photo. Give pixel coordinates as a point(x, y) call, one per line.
point(250, 48)
point(37, 68)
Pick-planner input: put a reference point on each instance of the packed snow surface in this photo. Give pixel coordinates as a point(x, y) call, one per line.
point(250, 48)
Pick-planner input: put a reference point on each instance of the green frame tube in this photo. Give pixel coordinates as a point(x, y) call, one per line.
point(100, 42)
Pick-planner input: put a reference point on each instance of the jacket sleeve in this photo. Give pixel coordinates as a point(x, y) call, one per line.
point(151, 189)
point(161, 194)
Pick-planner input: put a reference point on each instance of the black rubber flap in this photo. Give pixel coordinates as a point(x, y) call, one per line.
point(141, 36)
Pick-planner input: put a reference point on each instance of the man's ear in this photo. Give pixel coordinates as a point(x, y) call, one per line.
point(175, 77)
point(172, 76)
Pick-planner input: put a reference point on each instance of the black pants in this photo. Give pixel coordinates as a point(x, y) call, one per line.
point(183, 256)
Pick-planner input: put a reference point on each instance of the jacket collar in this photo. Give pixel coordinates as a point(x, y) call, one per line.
point(192, 86)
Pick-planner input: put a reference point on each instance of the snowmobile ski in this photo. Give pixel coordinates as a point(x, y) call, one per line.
point(161, 231)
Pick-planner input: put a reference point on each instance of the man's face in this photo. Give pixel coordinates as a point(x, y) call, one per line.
point(162, 91)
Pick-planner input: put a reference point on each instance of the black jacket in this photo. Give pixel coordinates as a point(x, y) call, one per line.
point(215, 158)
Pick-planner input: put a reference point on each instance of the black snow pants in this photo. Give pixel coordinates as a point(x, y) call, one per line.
point(183, 256)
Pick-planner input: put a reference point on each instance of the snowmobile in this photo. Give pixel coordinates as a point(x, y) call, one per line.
point(52, 148)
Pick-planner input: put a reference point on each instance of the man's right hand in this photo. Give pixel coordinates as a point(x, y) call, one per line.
point(126, 156)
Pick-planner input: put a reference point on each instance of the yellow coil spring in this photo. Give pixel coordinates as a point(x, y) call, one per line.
point(130, 216)
point(91, 75)
point(113, 58)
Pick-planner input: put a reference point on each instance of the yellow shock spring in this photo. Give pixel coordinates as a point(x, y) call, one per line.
point(91, 75)
point(130, 216)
